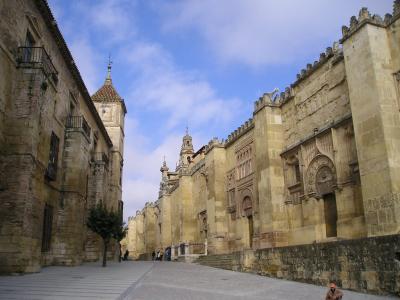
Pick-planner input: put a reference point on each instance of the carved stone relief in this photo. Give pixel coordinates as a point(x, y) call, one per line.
point(313, 103)
point(230, 179)
point(247, 207)
point(246, 203)
point(244, 161)
point(321, 177)
point(325, 145)
point(203, 221)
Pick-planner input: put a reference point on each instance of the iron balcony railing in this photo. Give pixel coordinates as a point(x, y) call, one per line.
point(100, 156)
point(36, 58)
point(78, 122)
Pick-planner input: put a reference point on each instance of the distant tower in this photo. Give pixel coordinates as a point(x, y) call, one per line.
point(164, 169)
point(186, 150)
point(164, 179)
point(112, 110)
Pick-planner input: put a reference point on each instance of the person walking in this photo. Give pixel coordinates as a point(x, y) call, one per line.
point(126, 254)
point(153, 255)
point(334, 293)
point(158, 255)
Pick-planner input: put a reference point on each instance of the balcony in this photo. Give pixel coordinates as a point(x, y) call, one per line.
point(100, 157)
point(36, 58)
point(78, 122)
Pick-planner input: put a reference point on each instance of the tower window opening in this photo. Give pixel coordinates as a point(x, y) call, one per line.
point(297, 172)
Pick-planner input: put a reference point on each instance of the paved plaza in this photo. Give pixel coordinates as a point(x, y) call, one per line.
point(156, 280)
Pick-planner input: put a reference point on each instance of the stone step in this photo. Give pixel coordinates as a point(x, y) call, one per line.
point(223, 261)
point(212, 260)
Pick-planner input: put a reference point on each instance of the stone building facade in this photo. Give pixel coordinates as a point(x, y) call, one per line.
point(61, 151)
point(316, 163)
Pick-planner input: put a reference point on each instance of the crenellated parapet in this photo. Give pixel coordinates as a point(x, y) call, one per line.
point(267, 99)
point(150, 204)
point(214, 143)
point(335, 52)
point(332, 54)
point(240, 131)
point(365, 17)
point(138, 213)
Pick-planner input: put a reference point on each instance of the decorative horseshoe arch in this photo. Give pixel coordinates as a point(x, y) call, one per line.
point(247, 203)
point(321, 177)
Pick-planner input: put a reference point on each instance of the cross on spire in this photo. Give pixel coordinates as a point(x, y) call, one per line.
point(108, 78)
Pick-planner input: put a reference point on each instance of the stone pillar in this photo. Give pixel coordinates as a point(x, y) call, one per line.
point(187, 251)
point(375, 111)
point(140, 237)
point(149, 230)
point(71, 215)
point(131, 238)
point(96, 194)
point(22, 167)
point(216, 200)
point(188, 219)
point(268, 137)
point(165, 205)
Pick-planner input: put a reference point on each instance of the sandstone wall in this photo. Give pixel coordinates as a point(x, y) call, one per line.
point(368, 265)
point(34, 106)
point(317, 163)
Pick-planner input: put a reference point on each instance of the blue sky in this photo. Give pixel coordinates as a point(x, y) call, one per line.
point(196, 62)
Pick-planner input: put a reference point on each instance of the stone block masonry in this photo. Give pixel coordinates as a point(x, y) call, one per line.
point(308, 188)
point(369, 265)
point(58, 155)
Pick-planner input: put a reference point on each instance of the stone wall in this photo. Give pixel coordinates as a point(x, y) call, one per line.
point(42, 96)
point(318, 163)
point(368, 265)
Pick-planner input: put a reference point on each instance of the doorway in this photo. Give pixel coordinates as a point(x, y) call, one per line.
point(251, 230)
point(331, 215)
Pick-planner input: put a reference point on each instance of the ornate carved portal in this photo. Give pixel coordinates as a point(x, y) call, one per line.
point(203, 224)
point(321, 177)
point(247, 206)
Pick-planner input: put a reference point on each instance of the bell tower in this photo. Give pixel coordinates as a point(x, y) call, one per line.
point(112, 110)
point(186, 150)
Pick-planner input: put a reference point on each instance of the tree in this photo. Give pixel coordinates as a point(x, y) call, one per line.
point(119, 233)
point(105, 223)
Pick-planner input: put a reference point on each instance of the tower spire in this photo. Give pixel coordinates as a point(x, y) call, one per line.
point(164, 167)
point(108, 78)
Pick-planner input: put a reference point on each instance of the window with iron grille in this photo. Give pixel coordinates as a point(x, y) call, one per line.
point(47, 226)
point(120, 176)
point(29, 44)
point(51, 172)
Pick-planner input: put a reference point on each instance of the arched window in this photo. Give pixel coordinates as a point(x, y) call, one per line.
point(247, 206)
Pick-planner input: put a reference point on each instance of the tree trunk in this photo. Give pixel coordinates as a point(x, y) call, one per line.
point(105, 253)
point(120, 254)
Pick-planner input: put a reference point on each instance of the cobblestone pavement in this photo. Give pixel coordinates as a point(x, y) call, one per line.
point(156, 280)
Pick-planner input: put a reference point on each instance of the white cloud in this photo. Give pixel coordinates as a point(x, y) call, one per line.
point(262, 32)
point(114, 19)
point(182, 95)
point(136, 193)
point(86, 58)
point(142, 164)
point(143, 161)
